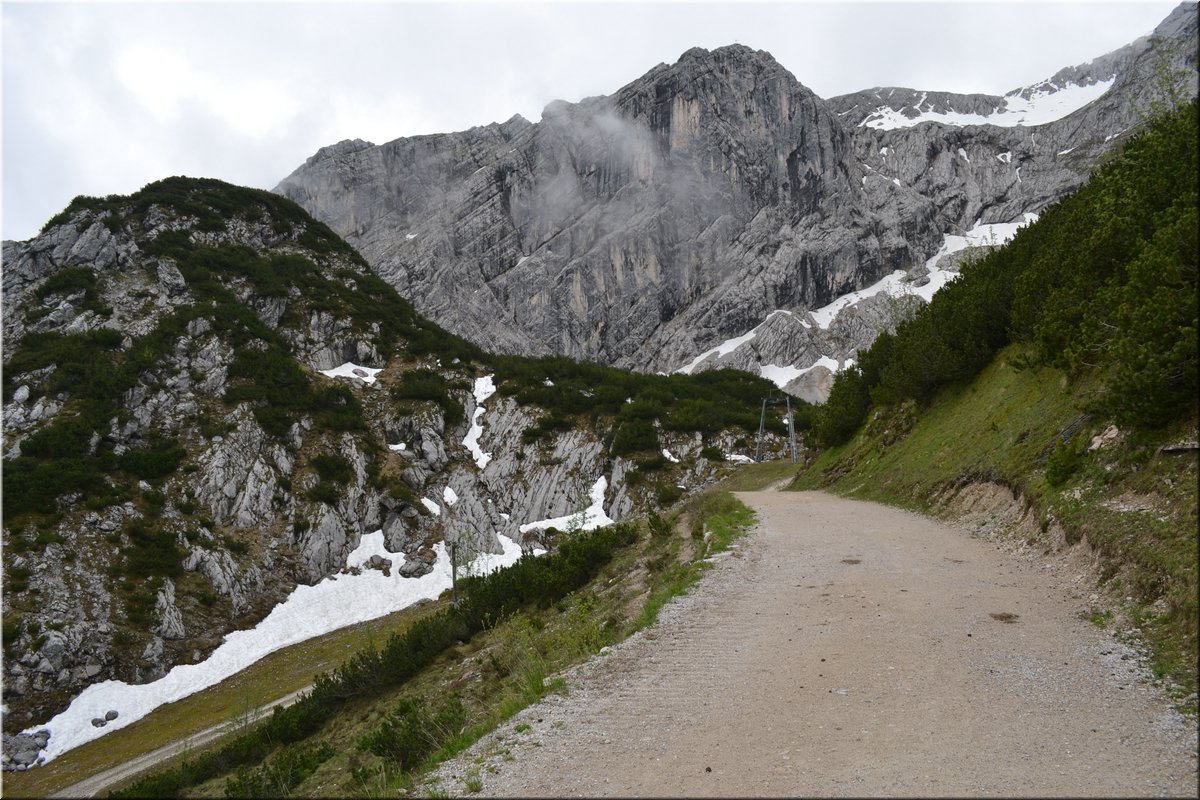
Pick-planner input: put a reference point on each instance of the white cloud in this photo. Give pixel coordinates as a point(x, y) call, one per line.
point(102, 98)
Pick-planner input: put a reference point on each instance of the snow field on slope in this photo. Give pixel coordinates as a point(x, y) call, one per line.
point(309, 611)
point(1041, 107)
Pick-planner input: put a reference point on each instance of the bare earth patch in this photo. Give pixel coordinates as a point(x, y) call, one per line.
point(785, 673)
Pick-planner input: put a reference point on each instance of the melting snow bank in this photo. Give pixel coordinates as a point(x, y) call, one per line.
point(484, 388)
point(591, 517)
point(352, 370)
point(782, 376)
point(308, 611)
point(1042, 106)
point(725, 347)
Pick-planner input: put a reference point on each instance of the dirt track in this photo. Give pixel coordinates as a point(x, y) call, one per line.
point(91, 787)
point(848, 648)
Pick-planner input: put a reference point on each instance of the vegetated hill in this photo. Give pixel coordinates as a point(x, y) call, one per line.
point(1063, 367)
point(176, 462)
point(645, 227)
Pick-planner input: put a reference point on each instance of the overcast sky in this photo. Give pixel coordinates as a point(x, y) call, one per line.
point(102, 98)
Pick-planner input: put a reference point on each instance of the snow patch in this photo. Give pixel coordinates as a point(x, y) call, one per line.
point(352, 370)
point(1044, 105)
point(399, 448)
point(667, 455)
point(449, 496)
point(963, 155)
point(432, 506)
point(484, 388)
point(727, 346)
point(591, 517)
point(738, 458)
point(307, 612)
point(782, 376)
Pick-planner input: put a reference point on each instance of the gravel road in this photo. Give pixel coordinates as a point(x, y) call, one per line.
point(852, 649)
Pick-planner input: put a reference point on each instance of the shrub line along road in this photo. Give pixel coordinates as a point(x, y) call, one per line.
point(849, 648)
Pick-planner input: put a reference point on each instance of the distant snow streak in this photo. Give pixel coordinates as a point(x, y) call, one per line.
point(1041, 107)
point(725, 347)
point(484, 388)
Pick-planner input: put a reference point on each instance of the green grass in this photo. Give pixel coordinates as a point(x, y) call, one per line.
point(757, 477)
point(1006, 427)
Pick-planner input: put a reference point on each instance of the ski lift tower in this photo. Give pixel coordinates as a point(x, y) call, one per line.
point(762, 421)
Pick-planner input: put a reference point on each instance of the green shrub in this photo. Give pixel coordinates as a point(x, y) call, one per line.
point(151, 551)
point(68, 281)
point(667, 493)
point(17, 581)
point(328, 493)
point(333, 468)
point(288, 769)
point(410, 733)
point(660, 527)
point(1065, 459)
point(431, 386)
point(158, 459)
point(634, 436)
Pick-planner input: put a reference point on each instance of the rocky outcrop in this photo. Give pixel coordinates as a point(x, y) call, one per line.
point(208, 494)
point(642, 228)
point(628, 229)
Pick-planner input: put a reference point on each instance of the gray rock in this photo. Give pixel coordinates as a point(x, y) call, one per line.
point(642, 228)
point(170, 618)
point(379, 562)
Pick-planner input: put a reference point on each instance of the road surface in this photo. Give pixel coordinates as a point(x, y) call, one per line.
point(848, 648)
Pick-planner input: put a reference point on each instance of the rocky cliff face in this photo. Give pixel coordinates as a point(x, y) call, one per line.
point(176, 462)
point(642, 228)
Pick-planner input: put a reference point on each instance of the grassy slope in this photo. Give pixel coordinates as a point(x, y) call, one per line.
point(1137, 507)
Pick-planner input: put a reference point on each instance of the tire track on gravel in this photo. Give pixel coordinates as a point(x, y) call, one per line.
point(849, 648)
